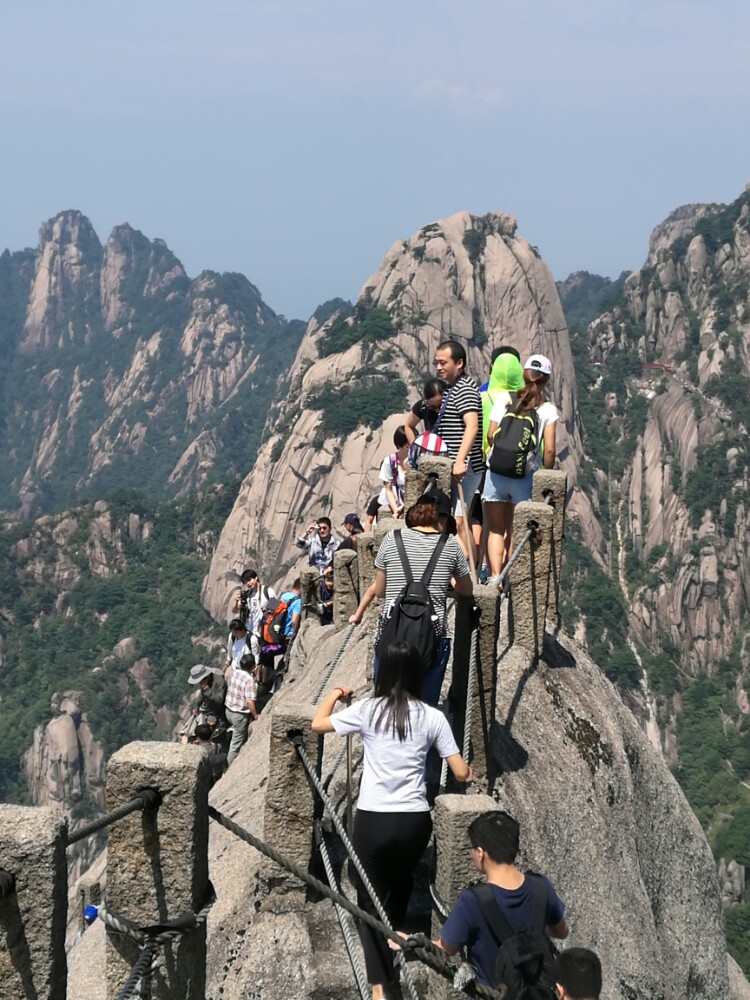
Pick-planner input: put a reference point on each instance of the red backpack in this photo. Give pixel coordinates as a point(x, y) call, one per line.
point(272, 627)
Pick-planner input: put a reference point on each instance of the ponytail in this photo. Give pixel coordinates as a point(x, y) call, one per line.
point(532, 395)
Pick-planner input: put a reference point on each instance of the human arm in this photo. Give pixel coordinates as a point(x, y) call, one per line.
point(459, 768)
point(253, 709)
point(462, 583)
point(558, 930)
point(321, 720)
point(393, 501)
point(550, 435)
point(305, 541)
point(471, 426)
point(410, 422)
point(491, 431)
point(376, 589)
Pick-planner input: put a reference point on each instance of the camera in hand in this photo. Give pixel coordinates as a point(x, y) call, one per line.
point(244, 612)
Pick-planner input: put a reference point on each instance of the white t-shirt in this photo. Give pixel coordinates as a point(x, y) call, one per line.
point(546, 414)
point(259, 602)
point(386, 476)
point(393, 772)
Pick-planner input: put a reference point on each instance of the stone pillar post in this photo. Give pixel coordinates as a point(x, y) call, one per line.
point(345, 586)
point(34, 913)
point(454, 869)
point(310, 590)
point(483, 611)
point(366, 552)
point(291, 804)
point(530, 574)
point(157, 862)
point(417, 479)
point(551, 486)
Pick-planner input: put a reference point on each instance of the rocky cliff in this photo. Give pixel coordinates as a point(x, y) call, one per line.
point(122, 370)
point(664, 402)
point(599, 812)
point(99, 623)
point(472, 278)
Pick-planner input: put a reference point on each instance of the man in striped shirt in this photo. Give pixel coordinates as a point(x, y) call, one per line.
point(458, 424)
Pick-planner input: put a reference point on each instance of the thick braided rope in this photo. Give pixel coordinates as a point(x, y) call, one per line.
point(142, 968)
point(332, 665)
point(150, 939)
point(470, 683)
point(418, 944)
point(343, 918)
point(339, 826)
point(146, 798)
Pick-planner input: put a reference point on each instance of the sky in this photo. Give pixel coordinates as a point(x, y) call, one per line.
point(295, 142)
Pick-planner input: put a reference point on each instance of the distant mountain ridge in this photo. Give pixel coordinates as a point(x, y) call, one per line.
point(120, 370)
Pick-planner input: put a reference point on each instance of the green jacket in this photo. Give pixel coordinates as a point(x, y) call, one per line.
point(506, 375)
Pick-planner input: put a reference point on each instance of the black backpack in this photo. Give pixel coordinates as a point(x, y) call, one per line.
point(515, 440)
point(526, 962)
point(412, 617)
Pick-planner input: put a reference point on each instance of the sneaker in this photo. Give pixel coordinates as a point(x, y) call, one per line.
point(494, 581)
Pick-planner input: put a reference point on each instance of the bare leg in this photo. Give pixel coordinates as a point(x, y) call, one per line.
point(495, 535)
point(499, 519)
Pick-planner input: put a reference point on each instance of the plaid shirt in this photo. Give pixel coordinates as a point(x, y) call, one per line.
point(242, 688)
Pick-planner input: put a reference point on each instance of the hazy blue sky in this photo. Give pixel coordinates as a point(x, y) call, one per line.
point(296, 141)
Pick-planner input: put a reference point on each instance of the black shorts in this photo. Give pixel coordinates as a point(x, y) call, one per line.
point(477, 513)
point(373, 507)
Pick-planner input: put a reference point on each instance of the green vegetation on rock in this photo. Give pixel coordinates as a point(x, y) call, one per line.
point(364, 401)
point(366, 327)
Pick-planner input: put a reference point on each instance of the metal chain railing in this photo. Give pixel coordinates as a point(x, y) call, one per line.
point(343, 917)
point(146, 798)
point(332, 665)
point(339, 827)
point(417, 944)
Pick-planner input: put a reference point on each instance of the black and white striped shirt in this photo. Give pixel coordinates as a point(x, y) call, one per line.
point(462, 397)
point(419, 547)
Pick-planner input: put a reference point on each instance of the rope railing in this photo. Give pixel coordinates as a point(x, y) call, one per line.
point(151, 937)
point(417, 944)
point(146, 798)
point(296, 739)
point(343, 917)
point(470, 681)
point(531, 530)
point(332, 664)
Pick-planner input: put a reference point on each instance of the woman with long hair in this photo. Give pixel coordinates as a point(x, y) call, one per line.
point(502, 493)
point(392, 826)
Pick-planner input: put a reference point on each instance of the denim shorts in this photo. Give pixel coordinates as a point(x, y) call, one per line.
point(505, 489)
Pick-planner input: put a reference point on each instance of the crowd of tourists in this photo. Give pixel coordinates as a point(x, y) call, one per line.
point(496, 436)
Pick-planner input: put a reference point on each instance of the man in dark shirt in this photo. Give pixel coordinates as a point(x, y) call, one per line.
point(529, 902)
point(459, 423)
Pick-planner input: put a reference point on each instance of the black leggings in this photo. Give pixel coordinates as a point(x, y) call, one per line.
point(389, 845)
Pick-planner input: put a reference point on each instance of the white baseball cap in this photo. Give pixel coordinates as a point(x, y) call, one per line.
point(538, 363)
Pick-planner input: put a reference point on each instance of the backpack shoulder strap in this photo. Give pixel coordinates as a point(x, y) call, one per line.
point(430, 567)
point(401, 549)
point(493, 915)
